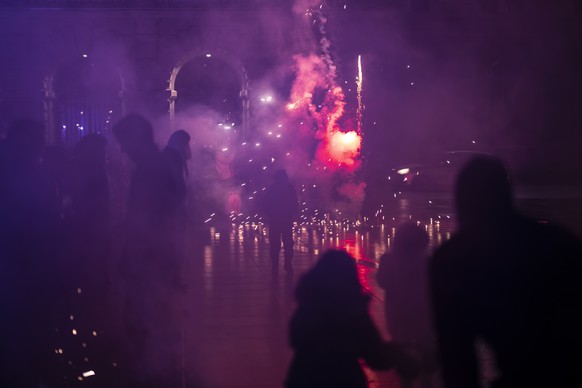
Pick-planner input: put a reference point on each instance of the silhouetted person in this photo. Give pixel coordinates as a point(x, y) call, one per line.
point(332, 330)
point(403, 274)
point(28, 257)
point(177, 152)
point(279, 203)
point(89, 214)
point(508, 281)
point(149, 263)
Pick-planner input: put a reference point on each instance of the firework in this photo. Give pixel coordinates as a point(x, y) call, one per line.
point(360, 81)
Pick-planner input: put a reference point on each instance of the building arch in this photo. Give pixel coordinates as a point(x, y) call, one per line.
point(79, 100)
point(228, 59)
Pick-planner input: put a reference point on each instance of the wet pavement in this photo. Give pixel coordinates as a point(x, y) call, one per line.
point(236, 311)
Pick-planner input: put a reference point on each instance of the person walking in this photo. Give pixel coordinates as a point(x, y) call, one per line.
point(280, 206)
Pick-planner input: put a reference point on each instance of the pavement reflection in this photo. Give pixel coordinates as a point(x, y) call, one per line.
point(237, 309)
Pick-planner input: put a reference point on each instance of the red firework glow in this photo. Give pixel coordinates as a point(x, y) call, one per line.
point(338, 147)
point(341, 148)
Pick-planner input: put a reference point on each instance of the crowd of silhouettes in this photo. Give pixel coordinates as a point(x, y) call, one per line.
point(60, 253)
point(502, 279)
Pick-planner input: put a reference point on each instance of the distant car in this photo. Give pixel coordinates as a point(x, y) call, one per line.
point(436, 176)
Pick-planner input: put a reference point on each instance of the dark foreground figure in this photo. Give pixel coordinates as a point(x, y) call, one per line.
point(403, 275)
point(511, 282)
point(332, 330)
point(29, 277)
point(149, 262)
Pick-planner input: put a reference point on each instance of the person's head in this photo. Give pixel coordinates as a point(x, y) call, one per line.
point(334, 277)
point(410, 238)
point(135, 135)
point(483, 193)
point(91, 149)
point(280, 176)
point(26, 138)
point(180, 141)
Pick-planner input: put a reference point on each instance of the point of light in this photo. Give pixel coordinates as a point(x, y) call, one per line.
point(208, 55)
point(403, 171)
point(85, 55)
point(88, 373)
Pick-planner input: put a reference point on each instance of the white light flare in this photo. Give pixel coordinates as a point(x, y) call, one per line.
point(360, 83)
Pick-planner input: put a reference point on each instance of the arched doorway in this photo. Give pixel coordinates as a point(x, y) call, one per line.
point(209, 98)
point(82, 96)
point(212, 78)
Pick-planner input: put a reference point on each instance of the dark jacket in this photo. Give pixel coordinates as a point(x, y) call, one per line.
point(520, 290)
point(330, 333)
point(279, 203)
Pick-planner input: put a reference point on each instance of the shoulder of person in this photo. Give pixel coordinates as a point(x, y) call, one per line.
point(449, 254)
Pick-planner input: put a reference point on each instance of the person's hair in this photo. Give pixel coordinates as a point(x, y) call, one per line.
point(134, 128)
point(410, 237)
point(483, 191)
point(179, 138)
point(90, 147)
point(25, 130)
point(25, 138)
point(333, 279)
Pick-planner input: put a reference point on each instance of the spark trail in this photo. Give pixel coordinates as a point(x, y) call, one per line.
point(360, 81)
